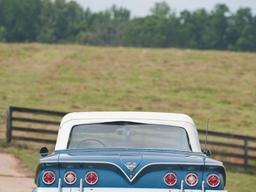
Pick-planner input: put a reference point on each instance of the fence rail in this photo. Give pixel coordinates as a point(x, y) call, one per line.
point(13, 118)
point(22, 125)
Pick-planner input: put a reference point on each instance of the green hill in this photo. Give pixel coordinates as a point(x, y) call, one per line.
point(204, 84)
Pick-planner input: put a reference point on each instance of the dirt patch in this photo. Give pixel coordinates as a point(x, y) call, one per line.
point(13, 175)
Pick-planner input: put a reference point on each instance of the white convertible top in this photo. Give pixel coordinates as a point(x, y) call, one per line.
point(174, 119)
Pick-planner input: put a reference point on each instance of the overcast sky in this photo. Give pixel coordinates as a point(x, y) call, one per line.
point(142, 7)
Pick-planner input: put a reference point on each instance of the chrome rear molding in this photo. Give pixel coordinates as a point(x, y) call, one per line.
point(122, 190)
point(148, 165)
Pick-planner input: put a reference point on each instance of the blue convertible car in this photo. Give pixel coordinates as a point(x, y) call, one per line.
point(128, 152)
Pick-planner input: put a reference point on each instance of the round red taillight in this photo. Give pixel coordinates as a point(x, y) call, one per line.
point(213, 180)
point(170, 179)
point(49, 177)
point(91, 178)
point(191, 179)
point(70, 177)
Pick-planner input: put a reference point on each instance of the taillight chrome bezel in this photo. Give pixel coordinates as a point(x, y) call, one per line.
point(213, 186)
point(191, 174)
point(91, 172)
point(173, 174)
point(65, 179)
point(54, 177)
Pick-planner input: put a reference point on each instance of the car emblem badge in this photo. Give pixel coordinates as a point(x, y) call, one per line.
point(131, 166)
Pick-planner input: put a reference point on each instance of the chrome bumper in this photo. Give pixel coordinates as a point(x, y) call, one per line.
point(118, 190)
point(82, 189)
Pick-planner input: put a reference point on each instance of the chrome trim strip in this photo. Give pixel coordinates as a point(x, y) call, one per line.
point(73, 189)
point(106, 162)
point(145, 166)
point(59, 186)
point(203, 186)
point(182, 186)
point(81, 185)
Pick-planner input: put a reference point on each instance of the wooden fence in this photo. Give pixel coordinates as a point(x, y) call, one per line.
point(41, 126)
point(17, 117)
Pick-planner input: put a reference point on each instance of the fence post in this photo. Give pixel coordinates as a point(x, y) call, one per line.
point(9, 125)
point(245, 154)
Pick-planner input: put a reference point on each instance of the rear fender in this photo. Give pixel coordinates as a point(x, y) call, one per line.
point(218, 170)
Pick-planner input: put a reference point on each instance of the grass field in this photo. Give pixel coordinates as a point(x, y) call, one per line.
point(204, 84)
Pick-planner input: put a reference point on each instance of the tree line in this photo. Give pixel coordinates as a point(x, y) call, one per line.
point(61, 21)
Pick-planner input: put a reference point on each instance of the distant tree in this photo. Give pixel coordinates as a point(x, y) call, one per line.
point(47, 22)
point(107, 27)
point(247, 40)
point(120, 18)
point(147, 32)
point(160, 29)
point(242, 30)
point(61, 21)
point(75, 21)
point(195, 29)
point(219, 27)
point(20, 19)
point(186, 28)
point(65, 21)
point(119, 14)
point(161, 9)
point(2, 34)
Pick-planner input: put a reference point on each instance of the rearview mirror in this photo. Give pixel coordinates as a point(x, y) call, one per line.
point(207, 152)
point(44, 152)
